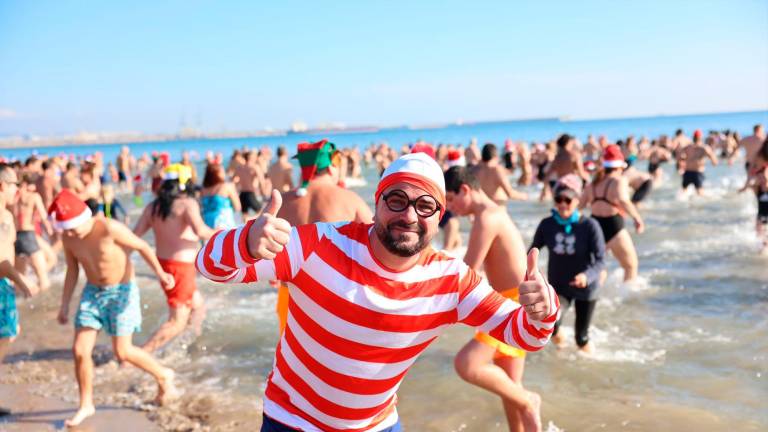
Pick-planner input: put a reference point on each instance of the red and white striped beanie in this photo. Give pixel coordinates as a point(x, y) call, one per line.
point(67, 211)
point(417, 169)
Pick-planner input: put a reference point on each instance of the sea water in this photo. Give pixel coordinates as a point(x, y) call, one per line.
point(683, 347)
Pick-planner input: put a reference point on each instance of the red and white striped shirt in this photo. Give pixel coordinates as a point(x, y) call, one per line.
point(354, 327)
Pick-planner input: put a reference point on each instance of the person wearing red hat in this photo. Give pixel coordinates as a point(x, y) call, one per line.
point(110, 300)
point(609, 199)
point(367, 299)
point(693, 160)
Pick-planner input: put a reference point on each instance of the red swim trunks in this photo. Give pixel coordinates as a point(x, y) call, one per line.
point(184, 275)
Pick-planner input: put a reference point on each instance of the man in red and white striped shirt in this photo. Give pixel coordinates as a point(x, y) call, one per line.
point(366, 300)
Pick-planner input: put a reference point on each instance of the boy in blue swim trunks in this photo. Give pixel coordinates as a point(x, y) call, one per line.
point(110, 299)
point(9, 316)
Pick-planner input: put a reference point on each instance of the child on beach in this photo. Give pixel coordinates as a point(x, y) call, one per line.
point(110, 299)
point(495, 245)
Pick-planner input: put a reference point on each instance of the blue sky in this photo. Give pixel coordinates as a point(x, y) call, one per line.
point(70, 66)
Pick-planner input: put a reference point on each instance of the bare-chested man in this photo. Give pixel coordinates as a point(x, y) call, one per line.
point(496, 246)
point(71, 179)
point(693, 160)
point(174, 217)
point(472, 153)
point(48, 183)
point(752, 146)
point(9, 316)
point(319, 199)
point(30, 248)
point(281, 172)
point(493, 177)
point(110, 299)
point(123, 163)
point(657, 154)
point(251, 183)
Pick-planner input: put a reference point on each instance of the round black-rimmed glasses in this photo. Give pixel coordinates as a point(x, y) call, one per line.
point(425, 205)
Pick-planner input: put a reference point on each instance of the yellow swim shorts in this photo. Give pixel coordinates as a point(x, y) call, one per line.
point(502, 349)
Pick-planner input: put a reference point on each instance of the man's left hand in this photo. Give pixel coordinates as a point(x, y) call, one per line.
point(535, 292)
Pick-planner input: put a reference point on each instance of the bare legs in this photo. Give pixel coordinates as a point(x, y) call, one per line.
point(178, 319)
point(474, 363)
point(623, 249)
point(85, 339)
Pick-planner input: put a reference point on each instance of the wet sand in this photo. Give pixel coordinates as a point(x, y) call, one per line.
point(37, 380)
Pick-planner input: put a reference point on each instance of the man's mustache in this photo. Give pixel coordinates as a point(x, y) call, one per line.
point(407, 226)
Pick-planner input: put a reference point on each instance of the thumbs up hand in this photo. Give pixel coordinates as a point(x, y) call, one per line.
point(534, 291)
point(269, 234)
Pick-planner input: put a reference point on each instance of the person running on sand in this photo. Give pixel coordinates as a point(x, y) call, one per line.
point(576, 257)
point(319, 199)
point(281, 172)
point(174, 217)
point(693, 161)
point(218, 198)
point(493, 177)
point(608, 198)
point(495, 246)
point(367, 299)
point(9, 315)
point(31, 249)
point(110, 299)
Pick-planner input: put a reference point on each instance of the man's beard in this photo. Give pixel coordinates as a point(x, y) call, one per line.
point(399, 245)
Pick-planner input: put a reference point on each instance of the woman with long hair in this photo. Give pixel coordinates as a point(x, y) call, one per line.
point(609, 199)
point(174, 217)
point(218, 198)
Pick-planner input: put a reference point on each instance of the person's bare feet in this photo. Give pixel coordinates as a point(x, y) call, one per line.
point(558, 340)
point(532, 415)
point(83, 413)
point(587, 349)
point(166, 389)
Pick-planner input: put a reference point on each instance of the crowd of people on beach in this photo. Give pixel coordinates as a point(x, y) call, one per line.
point(361, 291)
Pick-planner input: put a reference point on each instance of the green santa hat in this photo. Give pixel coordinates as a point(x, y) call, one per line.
point(313, 157)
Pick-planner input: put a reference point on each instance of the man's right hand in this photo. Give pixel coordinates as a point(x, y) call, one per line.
point(63, 317)
point(269, 234)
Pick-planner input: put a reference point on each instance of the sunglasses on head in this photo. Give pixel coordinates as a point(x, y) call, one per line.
point(563, 199)
point(397, 201)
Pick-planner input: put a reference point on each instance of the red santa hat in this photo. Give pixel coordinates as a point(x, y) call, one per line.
point(67, 211)
point(422, 147)
point(455, 158)
point(417, 169)
point(613, 157)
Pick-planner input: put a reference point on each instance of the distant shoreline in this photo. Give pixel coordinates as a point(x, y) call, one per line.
point(95, 139)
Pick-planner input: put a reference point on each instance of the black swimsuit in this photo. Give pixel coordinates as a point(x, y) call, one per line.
point(762, 206)
point(611, 225)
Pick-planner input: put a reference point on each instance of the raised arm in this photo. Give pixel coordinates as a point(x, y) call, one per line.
point(527, 325)
point(258, 250)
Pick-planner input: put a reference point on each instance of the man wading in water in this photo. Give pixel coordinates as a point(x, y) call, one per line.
point(367, 299)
